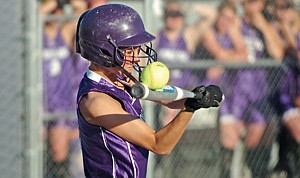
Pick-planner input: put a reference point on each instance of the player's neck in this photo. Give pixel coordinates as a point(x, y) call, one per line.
point(110, 74)
point(173, 34)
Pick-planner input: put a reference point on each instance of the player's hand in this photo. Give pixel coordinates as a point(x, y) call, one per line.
point(259, 21)
point(210, 96)
point(215, 94)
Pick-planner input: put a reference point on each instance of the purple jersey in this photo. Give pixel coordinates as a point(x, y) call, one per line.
point(57, 75)
point(290, 90)
point(291, 85)
point(80, 66)
point(104, 153)
point(224, 40)
point(174, 52)
point(254, 42)
point(250, 85)
point(226, 81)
point(253, 79)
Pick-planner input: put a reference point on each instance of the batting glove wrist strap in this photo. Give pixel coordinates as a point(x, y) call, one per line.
point(206, 97)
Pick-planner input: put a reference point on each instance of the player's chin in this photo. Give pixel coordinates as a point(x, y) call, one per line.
point(128, 69)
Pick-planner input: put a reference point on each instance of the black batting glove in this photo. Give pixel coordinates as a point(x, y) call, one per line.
point(206, 97)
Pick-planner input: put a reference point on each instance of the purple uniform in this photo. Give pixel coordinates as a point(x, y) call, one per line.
point(250, 85)
point(174, 52)
point(104, 153)
point(58, 85)
point(290, 90)
point(226, 80)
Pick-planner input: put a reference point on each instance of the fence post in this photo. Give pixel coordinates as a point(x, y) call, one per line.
point(33, 164)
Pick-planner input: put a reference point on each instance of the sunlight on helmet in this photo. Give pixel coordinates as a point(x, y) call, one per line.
point(104, 46)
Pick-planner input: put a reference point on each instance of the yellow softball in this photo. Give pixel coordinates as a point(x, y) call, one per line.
point(155, 75)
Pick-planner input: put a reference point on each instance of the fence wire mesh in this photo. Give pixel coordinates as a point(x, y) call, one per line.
point(199, 152)
point(11, 90)
point(250, 91)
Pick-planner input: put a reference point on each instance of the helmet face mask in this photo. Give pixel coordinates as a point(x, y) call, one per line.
point(105, 31)
point(144, 55)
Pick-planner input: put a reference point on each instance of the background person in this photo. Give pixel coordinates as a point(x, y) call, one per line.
point(175, 44)
point(249, 106)
point(223, 42)
point(287, 22)
point(63, 157)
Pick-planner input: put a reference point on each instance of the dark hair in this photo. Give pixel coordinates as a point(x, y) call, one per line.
point(227, 4)
point(62, 3)
point(172, 12)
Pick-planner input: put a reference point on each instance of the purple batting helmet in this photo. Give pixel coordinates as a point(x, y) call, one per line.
point(104, 31)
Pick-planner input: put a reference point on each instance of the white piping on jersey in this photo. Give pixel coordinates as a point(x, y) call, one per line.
point(96, 77)
point(132, 160)
point(93, 76)
point(112, 156)
point(133, 100)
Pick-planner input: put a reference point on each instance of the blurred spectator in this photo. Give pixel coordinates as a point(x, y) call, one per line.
point(248, 108)
point(289, 134)
point(174, 44)
point(288, 22)
point(223, 42)
point(63, 159)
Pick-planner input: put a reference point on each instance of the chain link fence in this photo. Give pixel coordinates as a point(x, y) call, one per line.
point(62, 69)
point(199, 152)
point(11, 93)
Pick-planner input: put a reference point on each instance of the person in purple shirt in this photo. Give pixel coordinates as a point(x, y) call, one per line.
point(114, 136)
point(224, 42)
point(60, 68)
point(289, 130)
point(248, 108)
point(287, 22)
point(175, 43)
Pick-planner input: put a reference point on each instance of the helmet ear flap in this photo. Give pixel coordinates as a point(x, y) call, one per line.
point(119, 56)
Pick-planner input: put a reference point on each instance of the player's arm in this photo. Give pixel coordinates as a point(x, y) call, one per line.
point(69, 27)
point(274, 44)
point(179, 104)
point(46, 8)
point(102, 110)
point(194, 33)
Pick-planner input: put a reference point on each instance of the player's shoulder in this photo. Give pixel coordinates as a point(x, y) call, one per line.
point(95, 104)
point(99, 98)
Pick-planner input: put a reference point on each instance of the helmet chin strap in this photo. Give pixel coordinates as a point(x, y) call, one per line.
point(132, 78)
